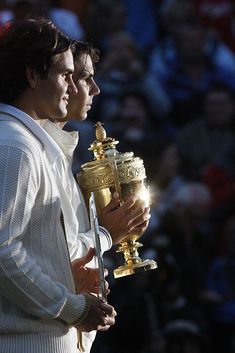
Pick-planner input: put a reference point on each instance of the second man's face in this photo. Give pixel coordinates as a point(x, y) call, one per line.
point(83, 77)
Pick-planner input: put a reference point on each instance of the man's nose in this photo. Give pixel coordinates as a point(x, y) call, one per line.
point(72, 89)
point(95, 90)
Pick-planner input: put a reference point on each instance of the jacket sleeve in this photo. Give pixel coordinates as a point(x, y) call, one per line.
point(22, 279)
point(79, 246)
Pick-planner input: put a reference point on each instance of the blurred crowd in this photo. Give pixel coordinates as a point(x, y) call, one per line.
point(167, 80)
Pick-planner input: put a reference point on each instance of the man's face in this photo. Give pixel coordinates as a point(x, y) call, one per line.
point(83, 77)
point(52, 93)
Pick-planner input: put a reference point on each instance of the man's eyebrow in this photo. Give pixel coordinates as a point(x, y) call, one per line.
point(69, 71)
point(88, 73)
point(85, 76)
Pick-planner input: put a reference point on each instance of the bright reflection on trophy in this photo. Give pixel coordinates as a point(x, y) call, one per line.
point(122, 172)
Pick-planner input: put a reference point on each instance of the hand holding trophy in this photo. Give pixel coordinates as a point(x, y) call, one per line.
point(109, 172)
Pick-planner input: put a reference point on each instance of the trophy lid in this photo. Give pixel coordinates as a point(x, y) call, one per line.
point(109, 165)
point(103, 145)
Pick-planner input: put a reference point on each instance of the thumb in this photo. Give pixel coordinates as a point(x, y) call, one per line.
point(85, 259)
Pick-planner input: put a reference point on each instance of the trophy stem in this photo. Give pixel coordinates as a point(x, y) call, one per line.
point(130, 252)
point(133, 262)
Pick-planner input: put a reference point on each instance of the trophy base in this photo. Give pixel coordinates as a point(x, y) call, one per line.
point(131, 269)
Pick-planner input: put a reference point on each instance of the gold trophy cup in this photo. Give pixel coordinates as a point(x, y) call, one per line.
point(122, 172)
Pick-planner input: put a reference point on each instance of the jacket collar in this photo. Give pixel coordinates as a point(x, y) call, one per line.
point(52, 146)
point(67, 141)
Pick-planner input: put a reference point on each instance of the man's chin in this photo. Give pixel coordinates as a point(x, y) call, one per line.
point(64, 119)
point(77, 118)
point(83, 117)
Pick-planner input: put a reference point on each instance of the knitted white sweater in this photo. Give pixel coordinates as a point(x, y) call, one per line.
point(38, 302)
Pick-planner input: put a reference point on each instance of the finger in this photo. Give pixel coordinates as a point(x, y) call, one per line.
point(107, 288)
point(108, 309)
point(129, 202)
point(142, 211)
point(114, 202)
point(86, 280)
point(107, 322)
point(103, 328)
point(106, 272)
point(135, 207)
point(139, 220)
point(85, 259)
point(110, 321)
point(140, 229)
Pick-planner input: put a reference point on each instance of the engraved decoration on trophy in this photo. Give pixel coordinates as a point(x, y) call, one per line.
point(112, 171)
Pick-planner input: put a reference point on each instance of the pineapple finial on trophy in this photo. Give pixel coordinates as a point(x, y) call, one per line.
point(100, 132)
point(103, 145)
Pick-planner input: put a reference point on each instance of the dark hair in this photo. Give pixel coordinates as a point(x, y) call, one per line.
point(27, 43)
point(80, 48)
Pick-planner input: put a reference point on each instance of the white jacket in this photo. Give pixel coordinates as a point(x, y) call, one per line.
point(38, 302)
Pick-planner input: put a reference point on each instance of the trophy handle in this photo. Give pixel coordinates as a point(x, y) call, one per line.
point(114, 170)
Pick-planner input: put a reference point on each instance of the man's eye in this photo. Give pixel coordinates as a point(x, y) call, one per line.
point(88, 80)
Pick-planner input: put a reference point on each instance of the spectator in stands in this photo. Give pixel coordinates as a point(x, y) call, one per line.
point(65, 19)
point(186, 225)
point(123, 67)
point(220, 294)
point(187, 62)
point(202, 140)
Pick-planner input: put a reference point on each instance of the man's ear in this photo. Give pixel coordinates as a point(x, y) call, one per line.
point(32, 77)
